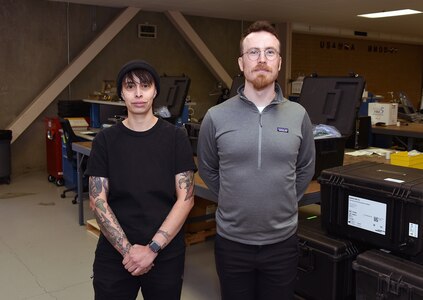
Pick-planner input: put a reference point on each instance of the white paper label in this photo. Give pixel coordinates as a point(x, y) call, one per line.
point(367, 214)
point(413, 230)
point(394, 180)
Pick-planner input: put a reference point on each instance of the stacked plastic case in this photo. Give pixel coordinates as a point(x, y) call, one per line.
point(380, 275)
point(378, 204)
point(381, 206)
point(325, 264)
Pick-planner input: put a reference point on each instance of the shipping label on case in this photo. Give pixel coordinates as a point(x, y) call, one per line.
point(367, 214)
point(413, 230)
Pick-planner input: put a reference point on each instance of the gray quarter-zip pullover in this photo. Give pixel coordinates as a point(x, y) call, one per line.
point(258, 165)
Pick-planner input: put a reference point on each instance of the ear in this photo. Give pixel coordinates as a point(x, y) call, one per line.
point(155, 93)
point(240, 64)
point(280, 63)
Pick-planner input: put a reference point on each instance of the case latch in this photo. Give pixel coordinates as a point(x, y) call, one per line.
point(306, 261)
point(389, 284)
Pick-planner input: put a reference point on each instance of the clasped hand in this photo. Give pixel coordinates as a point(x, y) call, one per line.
point(139, 260)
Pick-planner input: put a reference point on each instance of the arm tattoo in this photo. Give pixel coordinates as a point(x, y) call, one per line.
point(187, 182)
point(99, 203)
point(111, 229)
point(95, 186)
point(106, 219)
point(165, 234)
point(106, 186)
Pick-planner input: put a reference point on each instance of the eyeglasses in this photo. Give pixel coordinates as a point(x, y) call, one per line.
point(253, 54)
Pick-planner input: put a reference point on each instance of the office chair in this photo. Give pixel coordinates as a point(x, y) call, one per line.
point(69, 137)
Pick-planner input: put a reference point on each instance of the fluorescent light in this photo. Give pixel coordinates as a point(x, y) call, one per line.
point(392, 13)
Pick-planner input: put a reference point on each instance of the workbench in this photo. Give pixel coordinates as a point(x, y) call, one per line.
point(409, 131)
point(312, 194)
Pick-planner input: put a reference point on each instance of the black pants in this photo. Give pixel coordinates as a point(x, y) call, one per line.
point(249, 272)
point(113, 282)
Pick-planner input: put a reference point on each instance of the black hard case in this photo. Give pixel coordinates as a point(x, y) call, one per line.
point(173, 94)
point(332, 101)
point(324, 269)
point(389, 198)
point(380, 275)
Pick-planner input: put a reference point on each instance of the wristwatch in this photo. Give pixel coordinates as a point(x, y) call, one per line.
point(154, 246)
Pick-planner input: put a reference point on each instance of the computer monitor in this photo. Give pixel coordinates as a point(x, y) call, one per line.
point(173, 92)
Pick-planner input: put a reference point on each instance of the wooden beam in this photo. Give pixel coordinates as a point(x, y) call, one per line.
point(47, 96)
point(199, 47)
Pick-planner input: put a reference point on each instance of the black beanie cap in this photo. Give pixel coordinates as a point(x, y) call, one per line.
point(134, 65)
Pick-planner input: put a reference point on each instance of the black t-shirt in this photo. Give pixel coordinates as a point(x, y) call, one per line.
point(141, 168)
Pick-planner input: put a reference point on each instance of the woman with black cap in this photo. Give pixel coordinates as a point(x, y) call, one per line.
point(141, 191)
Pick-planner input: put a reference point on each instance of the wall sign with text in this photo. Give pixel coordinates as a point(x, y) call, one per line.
point(349, 46)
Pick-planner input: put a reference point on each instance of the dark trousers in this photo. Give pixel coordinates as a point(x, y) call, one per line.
point(113, 282)
point(249, 272)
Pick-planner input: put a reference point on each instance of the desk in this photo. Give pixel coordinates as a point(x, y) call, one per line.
point(82, 149)
point(312, 194)
point(410, 132)
point(87, 134)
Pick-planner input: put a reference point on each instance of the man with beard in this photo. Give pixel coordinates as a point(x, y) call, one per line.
point(256, 154)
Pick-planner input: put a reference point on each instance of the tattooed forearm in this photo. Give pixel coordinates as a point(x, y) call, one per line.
point(99, 203)
point(187, 182)
point(166, 236)
point(110, 227)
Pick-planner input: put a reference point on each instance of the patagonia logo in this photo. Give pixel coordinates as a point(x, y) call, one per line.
point(282, 129)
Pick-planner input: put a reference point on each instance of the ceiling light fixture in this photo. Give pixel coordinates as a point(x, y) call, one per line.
point(392, 13)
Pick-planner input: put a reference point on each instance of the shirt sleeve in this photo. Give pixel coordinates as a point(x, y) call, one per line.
point(97, 162)
point(306, 158)
point(208, 159)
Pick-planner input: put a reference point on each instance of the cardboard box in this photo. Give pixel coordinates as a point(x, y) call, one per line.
point(383, 113)
point(296, 86)
point(197, 219)
point(404, 159)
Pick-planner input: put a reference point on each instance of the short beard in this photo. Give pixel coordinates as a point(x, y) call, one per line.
point(261, 82)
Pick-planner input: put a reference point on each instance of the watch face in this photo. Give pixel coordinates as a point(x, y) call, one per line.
point(154, 247)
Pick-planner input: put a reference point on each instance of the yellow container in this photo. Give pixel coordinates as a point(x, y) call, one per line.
point(405, 160)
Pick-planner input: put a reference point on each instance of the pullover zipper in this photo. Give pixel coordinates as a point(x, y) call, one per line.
point(259, 141)
point(259, 146)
